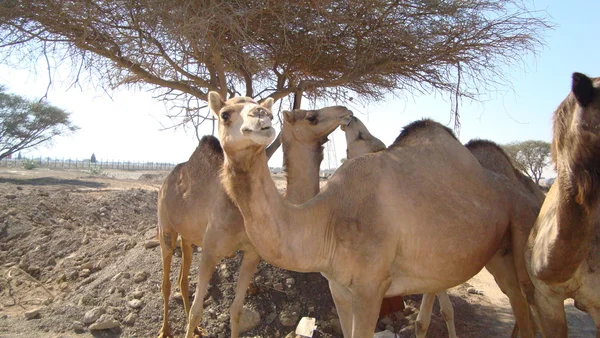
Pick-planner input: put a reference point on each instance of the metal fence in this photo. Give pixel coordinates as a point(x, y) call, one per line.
point(65, 163)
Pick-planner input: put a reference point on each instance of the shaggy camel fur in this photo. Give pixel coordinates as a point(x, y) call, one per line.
point(304, 132)
point(360, 141)
point(563, 251)
point(373, 231)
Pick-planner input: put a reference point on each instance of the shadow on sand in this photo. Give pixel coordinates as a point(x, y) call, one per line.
point(45, 181)
point(484, 319)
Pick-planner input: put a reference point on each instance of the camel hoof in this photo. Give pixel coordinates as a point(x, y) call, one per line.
point(199, 332)
point(163, 334)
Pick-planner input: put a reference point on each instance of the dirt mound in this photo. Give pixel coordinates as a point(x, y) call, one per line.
point(71, 251)
point(157, 178)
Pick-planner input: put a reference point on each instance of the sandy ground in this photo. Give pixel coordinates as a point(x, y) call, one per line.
point(486, 313)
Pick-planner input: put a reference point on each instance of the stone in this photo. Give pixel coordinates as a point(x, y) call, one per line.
point(223, 317)
point(153, 243)
point(137, 294)
point(87, 266)
point(101, 264)
point(135, 303)
point(130, 319)
point(178, 296)
point(31, 314)
point(249, 319)
point(289, 282)
point(85, 273)
point(140, 276)
point(288, 318)
point(51, 261)
point(93, 315)
point(271, 317)
point(475, 291)
point(278, 286)
point(105, 322)
point(78, 327)
point(85, 300)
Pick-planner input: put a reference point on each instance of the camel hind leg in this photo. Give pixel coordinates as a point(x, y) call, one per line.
point(424, 317)
point(184, 272)
point(167, 240)
point(447, 311)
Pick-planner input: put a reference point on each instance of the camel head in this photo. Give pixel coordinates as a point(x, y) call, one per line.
point(243, 122)
point(313, 126)
point(586, 92)
point(359, 140)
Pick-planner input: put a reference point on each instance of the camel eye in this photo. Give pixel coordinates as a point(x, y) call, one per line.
point(312, 119)
point(225, 116)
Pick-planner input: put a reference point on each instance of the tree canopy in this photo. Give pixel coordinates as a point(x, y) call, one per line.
point(25, 124)
point(531, 157)
point(330, 49)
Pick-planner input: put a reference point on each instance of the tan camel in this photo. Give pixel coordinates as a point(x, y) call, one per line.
point(192, 203)
point(373, 231)
point(360, 141)
point(563, 251)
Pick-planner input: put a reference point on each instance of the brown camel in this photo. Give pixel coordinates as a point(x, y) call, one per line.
point(360, 141)
point(373, 231)
point(563, 251)
point(192, 203)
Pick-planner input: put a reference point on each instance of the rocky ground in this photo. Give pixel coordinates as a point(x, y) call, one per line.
point(79, 258)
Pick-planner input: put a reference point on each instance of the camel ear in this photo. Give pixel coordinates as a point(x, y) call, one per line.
point(583, 89)
point(267, 103)
point(215, 102)
point(288, 116)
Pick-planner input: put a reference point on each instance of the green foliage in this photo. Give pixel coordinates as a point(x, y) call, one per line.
point(93, 158)
point(28, 164)
point(25, 123)
point(531, 157)
point(95, 170)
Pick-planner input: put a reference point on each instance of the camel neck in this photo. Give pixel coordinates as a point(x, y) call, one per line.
point(284, 235)
point(301, 164)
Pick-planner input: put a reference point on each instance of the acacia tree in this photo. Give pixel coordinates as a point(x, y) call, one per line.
point(334, 50)
point(25, 124)
point(531, 157)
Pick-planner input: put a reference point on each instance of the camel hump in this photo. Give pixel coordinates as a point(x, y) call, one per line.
point(211, 144)
point(421, 127)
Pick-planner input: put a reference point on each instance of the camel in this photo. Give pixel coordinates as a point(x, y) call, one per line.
point(360, 141)
point(563, 250)
point(192, 195)
point(373, 231)
point(192, 203)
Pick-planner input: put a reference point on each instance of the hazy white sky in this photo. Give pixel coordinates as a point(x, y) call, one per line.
point(126, 126)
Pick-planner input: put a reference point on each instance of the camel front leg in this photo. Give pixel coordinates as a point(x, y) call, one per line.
point(342, 298)
point(424, 316)
point(167, 245)
point(366, 302)
point(247, 269)
point(502, 267)
point(206, 268)
point(184, 272)
point(447, 311)
point(551, 314)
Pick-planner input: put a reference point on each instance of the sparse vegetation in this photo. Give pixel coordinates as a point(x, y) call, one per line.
point(28, 164)
point(531, 157)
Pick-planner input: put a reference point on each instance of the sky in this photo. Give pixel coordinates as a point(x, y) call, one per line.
point(126, 125)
